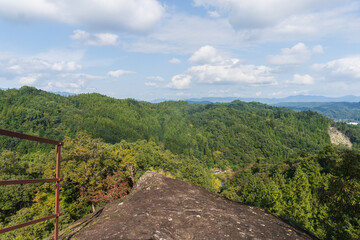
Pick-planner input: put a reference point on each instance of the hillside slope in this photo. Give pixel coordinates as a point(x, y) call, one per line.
point(162, 208)
point(220, 135)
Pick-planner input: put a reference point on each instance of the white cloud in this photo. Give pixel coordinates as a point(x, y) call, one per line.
point(73, 86)
point(133, 15)
point(214, 69)
point(155, 78)
point(28, 80)
point(16, 65)
point(181, 81)
point(206, 54)
point(233, 74)
point(174, 61)
point(318, 49)
point(151, 84)
point(213, 14)
point(298, 54)
point(46, 71)
point(81, 76)
point(69, 82)
point(347, 66)
point(66, 66)
point(301, 80)
point(98, 39)
point(14, 68)
point(264, 13)
point(119, 73)
point(283, 20)
point(181, 33)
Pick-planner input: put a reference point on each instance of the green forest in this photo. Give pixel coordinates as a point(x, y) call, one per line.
point(275, 158)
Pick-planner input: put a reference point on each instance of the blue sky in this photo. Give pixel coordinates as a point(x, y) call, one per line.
point(152, 49)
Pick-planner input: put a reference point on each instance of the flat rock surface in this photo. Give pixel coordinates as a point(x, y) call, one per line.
point(162, 208)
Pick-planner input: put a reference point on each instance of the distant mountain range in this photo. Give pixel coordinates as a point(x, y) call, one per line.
point(273, 101)
point(338, 111)
point(270, 101)
point(346, 108)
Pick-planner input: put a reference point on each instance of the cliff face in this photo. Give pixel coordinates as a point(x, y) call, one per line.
point(162, 208)
point(338, 138)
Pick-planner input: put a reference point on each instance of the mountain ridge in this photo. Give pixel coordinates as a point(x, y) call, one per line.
point(271, 101)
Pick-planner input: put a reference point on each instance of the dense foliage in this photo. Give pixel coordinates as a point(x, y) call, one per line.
point(225, 134)
point(319, 192)
point(275, 158)
point(351, 131)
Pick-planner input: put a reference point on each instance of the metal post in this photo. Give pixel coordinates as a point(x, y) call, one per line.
point(25, 181)
point(57, 191)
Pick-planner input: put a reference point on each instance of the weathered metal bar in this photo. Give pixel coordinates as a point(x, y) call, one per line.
point(24, 181)
point(57, 191)
point(4, 230)
point(29, 137)
point(57, 180)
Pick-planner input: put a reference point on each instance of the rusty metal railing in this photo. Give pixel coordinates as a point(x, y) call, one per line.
point(57, 180)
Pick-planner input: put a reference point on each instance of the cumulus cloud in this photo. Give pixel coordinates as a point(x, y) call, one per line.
point(132, 15)
point(301, 80)
point(46, 71)
point(174, 61)
point(181, 81)
point(153, 81)
point(298, 54)
point(206, 54)
point(98, 39)
point(212, 68)
point(233, 73)
point(347, 66)
point(119, 73)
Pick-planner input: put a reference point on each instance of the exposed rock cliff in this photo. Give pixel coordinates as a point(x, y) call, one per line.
point(338, 138)
point(162, 208)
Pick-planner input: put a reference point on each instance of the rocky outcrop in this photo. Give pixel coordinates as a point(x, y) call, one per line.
point(163, 208)
point(338, 138)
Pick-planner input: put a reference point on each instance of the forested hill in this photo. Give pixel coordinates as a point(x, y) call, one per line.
point(275, 158)
point(338, 111)
point(234, 134)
